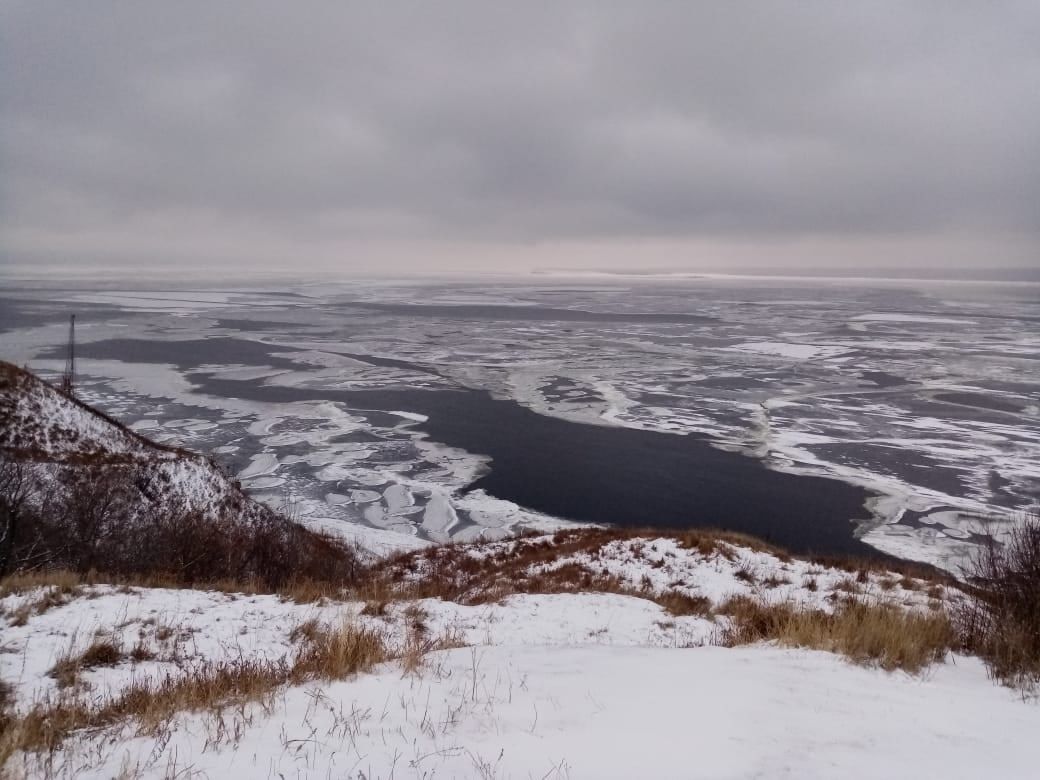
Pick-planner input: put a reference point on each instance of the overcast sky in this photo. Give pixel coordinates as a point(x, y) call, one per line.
point(507, 136)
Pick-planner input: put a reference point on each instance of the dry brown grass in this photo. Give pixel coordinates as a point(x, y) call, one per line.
point(6, 702)
point(328, 654)
point(911, 571)
point(48, 723)
point(680, 604)
point(306, 631)
point(774, 581)
point(745, 574)
point(101, 652)
point(61, 586)
point(307, 590)
point(333, 654)
point(867, 634)
point(375, 607)
point(530, 565)
point(847, 585)
point(714, 541)
point(56, 589)
point(20, 582)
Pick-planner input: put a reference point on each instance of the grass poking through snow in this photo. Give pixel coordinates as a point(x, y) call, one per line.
point(327, 654)
point(879, 635)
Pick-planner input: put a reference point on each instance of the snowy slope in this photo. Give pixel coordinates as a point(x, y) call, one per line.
point(656, 566)
point(567, 685)
point(53, 433)
point(599, 712)
point(48, 425)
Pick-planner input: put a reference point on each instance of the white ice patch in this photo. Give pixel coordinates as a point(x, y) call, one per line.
point(398, 497)
point(793, 351)
point(413, 416)
point(892, 317)
point(260, 464)
point(438, 517)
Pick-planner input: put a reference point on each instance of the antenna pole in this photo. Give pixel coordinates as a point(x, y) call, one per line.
point(68, 379)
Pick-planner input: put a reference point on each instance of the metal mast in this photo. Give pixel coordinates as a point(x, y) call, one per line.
point(69, 377)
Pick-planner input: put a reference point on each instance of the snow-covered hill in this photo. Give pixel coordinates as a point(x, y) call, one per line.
point(564, 685)
point(55, 435)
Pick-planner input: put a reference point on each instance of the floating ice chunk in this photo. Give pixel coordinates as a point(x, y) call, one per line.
point(398, 497)
point(240, 372)
point(413, 416)
point(439, 515)
point(378, 541)
point(478, 533)
point(187, 422)
point(364, 496)
point(405, 512)
point(262, 463)
point(335, 472)
point(374, 514)
point(490, 512)
point(784, 349)
point(264, 483)
point(162, 301)
point(892, 317)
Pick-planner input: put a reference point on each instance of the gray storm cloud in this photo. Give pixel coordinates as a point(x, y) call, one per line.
point(230, 130)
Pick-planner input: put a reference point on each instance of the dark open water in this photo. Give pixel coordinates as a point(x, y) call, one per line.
point(581, 472)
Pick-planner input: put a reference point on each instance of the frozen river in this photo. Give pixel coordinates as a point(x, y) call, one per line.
point(824, 415)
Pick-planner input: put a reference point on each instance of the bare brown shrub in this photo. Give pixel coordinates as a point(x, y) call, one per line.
point(1000, 621)
point(104, 521)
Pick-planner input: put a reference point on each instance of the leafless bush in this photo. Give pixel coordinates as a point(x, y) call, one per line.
point(15, 493)
point(1001, 620)
point(101, 518)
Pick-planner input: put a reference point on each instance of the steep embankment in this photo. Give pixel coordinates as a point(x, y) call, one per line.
point(79, 491)
point(56, 436)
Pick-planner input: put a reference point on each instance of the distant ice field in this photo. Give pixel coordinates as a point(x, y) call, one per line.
point(828, 416)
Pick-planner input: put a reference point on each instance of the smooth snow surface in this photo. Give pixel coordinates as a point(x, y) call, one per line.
point(564, 686)
point(560, 685)
point(598, 712)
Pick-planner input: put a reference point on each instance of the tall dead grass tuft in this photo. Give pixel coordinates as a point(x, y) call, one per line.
point(869, 634)
point(6, 703)
point(20, 582)
point(680, 604)
point(100, 652)
point(336, 653)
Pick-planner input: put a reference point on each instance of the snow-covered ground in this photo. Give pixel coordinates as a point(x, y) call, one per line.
point(519, 711)
point(595, 685)
point(179, 627)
